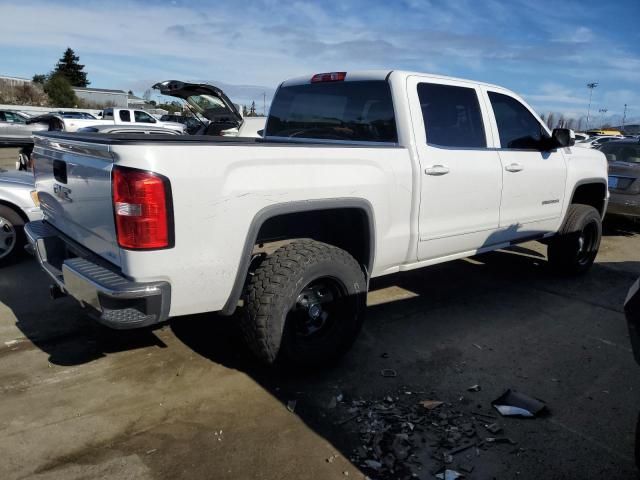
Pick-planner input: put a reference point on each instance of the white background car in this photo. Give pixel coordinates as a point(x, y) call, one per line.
point(595, 142)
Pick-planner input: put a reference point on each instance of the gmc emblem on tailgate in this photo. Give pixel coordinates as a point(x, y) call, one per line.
point(61, 192)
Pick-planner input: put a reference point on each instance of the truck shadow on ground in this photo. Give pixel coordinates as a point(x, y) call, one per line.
point(418, 324)
point(60, 327)
point(447, 302)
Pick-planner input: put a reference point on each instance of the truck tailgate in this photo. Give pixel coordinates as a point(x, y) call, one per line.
point(73, 180)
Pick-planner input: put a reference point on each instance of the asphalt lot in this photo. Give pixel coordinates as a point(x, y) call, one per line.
point(186, 400)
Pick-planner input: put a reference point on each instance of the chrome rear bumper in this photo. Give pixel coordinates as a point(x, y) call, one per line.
point(117, 301)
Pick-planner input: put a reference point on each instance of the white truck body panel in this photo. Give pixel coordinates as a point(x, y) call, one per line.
point(419, 218)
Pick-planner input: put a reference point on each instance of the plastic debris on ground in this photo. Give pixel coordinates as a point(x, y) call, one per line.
point(408, 434)
point(516, 404)
point(449, 475)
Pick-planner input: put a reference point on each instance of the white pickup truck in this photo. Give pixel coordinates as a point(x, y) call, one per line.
point(112, 116)
point(358, 175)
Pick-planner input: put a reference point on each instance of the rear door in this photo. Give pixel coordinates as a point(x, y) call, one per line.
point(534, 180)
point(460, 176)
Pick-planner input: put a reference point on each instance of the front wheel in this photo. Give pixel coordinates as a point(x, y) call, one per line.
point(574, 249)
point(304, 304)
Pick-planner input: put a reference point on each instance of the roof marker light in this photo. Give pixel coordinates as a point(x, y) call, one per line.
point(329, 77)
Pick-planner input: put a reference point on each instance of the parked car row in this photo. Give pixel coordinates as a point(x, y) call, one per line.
point(212, 114)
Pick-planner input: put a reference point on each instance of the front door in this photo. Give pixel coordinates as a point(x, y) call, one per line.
point(461, 179)
point(533, 179)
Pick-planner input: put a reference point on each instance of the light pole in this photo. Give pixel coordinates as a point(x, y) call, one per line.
point(624, 116)
point(602, 112)
point(590, 86)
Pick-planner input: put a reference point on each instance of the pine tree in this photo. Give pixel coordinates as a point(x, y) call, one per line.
point(69, 67)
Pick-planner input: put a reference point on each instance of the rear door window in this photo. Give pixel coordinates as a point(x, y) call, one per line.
point(125, 116)
point(351, 111)
point(517, 127)
point(452, 116)
point(107, 114)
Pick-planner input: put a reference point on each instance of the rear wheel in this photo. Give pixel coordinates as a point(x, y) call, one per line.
point(574, 249)
point(11, 234)
point(304, 304)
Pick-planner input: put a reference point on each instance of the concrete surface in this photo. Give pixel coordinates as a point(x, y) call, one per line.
point(186, 401)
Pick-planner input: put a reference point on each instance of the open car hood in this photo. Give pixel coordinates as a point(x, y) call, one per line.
point(207, 100)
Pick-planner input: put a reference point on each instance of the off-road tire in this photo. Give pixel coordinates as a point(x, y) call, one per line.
point(273, 290)
point(17, 224)
point(574, 249)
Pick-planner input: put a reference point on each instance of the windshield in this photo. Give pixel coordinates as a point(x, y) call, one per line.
point(355, 111)
point(622, 152)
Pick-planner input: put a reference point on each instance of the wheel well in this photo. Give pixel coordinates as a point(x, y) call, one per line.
point(346, 228)
point(17, 209)
point(593, 194)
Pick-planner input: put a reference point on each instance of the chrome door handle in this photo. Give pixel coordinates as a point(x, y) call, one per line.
point(514, 167)
point(436, 170)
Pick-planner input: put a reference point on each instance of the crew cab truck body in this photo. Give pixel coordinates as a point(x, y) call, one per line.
point(358, 175)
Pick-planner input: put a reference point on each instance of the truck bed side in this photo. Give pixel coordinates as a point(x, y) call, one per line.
point(219, 189)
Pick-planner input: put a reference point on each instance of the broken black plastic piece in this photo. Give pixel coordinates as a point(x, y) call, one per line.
point(515, 404)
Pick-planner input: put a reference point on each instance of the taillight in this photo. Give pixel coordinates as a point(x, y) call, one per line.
point(142, 208)
point(329, 77)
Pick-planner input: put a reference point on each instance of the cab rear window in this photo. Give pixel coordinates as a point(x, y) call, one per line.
point(351, 111)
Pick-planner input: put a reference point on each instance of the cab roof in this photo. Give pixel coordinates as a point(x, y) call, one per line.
point(363, 75)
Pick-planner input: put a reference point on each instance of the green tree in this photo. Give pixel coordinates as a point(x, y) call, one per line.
point(69, 67)
point(60, 92)
point(40, 79)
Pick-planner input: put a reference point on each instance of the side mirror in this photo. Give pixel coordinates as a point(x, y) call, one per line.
point(563, 137)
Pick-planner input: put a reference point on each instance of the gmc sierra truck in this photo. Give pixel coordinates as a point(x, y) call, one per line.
point(357, 175)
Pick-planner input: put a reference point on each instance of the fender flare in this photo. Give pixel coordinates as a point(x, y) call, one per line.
point(271, 211)
point(587, 181)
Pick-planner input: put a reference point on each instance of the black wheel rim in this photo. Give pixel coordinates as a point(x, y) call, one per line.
point(587, 243)
point(317, 308)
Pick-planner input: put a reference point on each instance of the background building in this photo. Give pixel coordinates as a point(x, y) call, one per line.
point(102, 96)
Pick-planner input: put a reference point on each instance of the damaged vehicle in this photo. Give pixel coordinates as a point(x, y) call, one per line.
point(218, 115)
point(358, 175)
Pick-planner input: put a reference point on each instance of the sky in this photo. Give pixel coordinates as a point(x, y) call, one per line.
point(546, 51)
